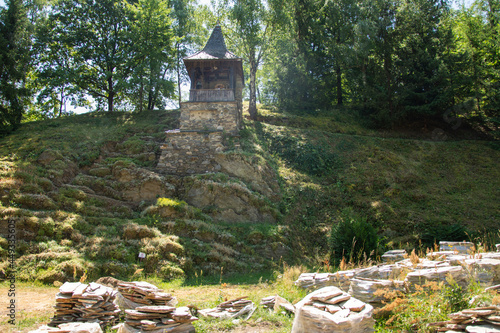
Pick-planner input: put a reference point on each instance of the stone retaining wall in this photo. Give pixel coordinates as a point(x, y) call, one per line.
point(191, 152)
point(192, 148)
point(220, 116)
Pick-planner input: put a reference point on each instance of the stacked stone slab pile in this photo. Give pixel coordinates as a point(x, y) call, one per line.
point(79, 302)
point(230, 309)
point(483, 319)
point(145, 293)
point(341, 279)
point(375, 291)
point(164, 318)
point(394, 255)
point(268, 302)
point(276, 303)
point(387, 271)
point(441, 274)
point(461, 247)
point(436, 267)
point(331, 310)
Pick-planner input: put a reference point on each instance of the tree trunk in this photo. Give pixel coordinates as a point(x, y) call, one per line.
point(110, 102)
point(363, 71)
point(252, 108)
point(141, 96)
point(111, 93)
point(150, 100)
point(340, 99)
point(61, 103)
point(388, 83)
point(179, 73)
point(151, 104)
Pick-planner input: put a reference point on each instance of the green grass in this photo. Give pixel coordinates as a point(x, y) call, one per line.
point(401, 185)
point(326, 162)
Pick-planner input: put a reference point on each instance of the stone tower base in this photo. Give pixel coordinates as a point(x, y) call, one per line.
point(191, 152)
point(203, 127)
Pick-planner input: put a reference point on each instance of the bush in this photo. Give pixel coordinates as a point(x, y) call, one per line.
point(179, 205)
point(352, 237)
point(311, 158)
point(435, 233)
point(136, 231)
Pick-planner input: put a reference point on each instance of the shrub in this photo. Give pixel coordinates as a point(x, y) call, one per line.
point(435, 233)
point(35, 201)
point(352, 237)
point(167, 202)
point(311, 158)
point(455, 296)
point(136, 231)
point(168, 271)
point(45, 183)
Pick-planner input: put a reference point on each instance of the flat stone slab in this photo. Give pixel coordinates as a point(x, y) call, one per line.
point(482, 329)
point(461, 247)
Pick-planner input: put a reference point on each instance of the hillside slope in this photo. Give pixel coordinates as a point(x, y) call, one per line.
point(87, 198)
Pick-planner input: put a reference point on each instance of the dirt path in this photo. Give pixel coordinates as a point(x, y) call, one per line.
point(34, 307)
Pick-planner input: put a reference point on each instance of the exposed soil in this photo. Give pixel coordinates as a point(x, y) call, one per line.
point(34, 306)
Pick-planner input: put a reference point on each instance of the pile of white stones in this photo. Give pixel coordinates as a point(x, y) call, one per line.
point(484, 319)
point(453, 259)
point(330, 309)
point(164, 318)
point(80, 302)
point(230, 309)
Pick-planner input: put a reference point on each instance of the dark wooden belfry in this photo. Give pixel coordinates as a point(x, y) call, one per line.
point(216, 74)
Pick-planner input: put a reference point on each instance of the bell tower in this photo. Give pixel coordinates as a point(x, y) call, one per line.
point(214, 109)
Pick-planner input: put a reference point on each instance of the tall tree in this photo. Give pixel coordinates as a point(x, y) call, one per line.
point(252, 25)
point(152, 37)
point(422, 41)
point(183, 26)
point(15, 44)
point(54, 60)
point(477, 32)
point(98, 33)
point(340, 18)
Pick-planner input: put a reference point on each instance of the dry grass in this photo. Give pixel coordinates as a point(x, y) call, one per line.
point(33, 307)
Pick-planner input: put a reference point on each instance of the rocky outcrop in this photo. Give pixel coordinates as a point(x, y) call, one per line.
point(253, 170)
point(231, 201)
point(139, 184)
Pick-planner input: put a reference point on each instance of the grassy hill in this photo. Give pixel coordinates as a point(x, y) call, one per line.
point(86, 196)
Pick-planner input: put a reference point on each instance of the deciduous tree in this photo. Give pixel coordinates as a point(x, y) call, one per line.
point(15, 44)
point(98, 33)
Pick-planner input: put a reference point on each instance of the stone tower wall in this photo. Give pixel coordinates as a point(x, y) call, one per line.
point(210, 116)
point(192, 148)
point(191, 152)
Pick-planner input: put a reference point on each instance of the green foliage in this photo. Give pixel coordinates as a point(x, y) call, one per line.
point(455, 296)
point(151, 40)
point(312, 158)
point(15, 44)
point(352, 237)
point(435, 233)
point(253, 22)
point(174, 203)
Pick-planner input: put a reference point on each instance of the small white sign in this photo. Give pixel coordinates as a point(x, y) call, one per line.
point(142, 255)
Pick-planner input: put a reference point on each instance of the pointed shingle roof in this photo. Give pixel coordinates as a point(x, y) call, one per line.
point(215, 48)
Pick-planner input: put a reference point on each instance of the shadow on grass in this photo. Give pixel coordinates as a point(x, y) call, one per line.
point(250, 278)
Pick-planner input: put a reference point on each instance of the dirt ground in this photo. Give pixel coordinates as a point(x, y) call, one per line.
point(34, 307)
